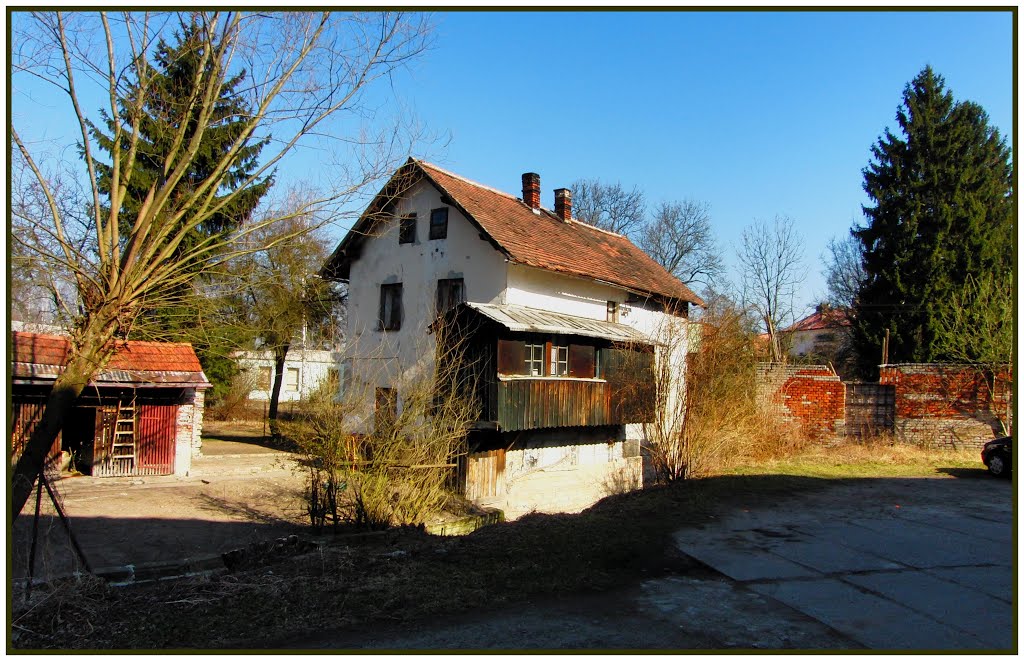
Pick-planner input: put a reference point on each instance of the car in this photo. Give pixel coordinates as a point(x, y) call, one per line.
point(997, 455)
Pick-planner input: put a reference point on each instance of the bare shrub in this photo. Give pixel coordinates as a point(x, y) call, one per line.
point(234, 404)
point(707, 405)
point(400, 474)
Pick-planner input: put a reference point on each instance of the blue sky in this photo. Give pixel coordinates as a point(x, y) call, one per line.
point(755, 113)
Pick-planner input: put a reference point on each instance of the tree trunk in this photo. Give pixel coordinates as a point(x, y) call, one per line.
point(280, 354)
point(92, 353)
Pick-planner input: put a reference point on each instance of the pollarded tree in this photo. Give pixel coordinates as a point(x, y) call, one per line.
point(942, 210)
point(303, 69)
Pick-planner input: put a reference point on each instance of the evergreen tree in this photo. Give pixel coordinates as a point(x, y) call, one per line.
point(943, 210)
point(173, 102)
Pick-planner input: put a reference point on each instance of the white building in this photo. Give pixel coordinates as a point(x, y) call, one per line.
point(304, 371)
point(555, 305)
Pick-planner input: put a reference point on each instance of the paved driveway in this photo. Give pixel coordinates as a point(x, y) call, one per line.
point(878, 564)
point(891, 564)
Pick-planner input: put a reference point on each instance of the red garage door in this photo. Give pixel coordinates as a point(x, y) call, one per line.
point(155, 436)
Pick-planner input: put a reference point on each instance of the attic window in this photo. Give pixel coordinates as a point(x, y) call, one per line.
point(407, 229)
point(439, 223)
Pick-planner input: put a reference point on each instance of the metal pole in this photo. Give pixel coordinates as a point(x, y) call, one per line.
point(35, 537)
point(64, 520)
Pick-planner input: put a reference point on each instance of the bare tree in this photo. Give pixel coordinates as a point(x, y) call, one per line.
point(771, 263)
point(274, 293)
point(303, 69)
point(608, 206)
point(678, 236)
point(844, 271)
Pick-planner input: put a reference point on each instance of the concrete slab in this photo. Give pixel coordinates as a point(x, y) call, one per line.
point(987, 619)
point(916, 545)
point(980, 528)
point(745, 564)
point(827, 556)
point(994, 581)
point(871, 620)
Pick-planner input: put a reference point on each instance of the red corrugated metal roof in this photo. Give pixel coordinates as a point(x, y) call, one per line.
point(38, 355)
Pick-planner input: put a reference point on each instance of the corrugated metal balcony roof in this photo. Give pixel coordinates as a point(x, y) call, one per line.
point(531, 320)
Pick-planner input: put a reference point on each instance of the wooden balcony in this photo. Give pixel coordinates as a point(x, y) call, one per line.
point(536, 403)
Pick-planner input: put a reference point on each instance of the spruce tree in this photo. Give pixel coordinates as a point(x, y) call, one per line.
point(172, 102)
point(942, 210)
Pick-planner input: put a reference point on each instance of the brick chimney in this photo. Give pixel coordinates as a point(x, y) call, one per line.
point(563, 204)
point(531, 189)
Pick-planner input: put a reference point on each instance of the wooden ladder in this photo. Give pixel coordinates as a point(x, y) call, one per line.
point(122, 451)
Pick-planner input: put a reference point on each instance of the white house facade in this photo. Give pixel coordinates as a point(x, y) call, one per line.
point(556, 307)
point(304, 371)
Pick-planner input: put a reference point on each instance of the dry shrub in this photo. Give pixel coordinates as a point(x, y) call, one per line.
point(706, 407)
point(401, 473)
point(234, 404)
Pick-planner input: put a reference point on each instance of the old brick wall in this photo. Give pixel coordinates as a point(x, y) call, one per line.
point(811, 395)
point(943, 405)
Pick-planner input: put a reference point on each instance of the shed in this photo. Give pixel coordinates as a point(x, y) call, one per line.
point(141, 415)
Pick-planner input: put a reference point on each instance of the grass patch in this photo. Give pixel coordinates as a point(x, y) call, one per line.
point(863, 460)
point(405, 574)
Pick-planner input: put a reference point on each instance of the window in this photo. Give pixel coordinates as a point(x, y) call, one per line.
point(407, 229)
point(535, 359)
point(291, 379)
point(439, 223)
point(613, 312)
point(385, 410)
point(450, 292)
point(559, 361)
point(390, 317)
point(263, 382)
point(582, 361)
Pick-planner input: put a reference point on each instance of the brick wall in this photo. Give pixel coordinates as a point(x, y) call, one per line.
point(811, 395)
point(943, 405)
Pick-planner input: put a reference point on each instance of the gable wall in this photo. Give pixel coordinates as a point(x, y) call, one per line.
point(418, 266)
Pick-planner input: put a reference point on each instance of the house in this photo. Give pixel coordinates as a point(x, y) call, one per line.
point(821, 333)
point(305, 370)
point(141, 415)
point(563, 321)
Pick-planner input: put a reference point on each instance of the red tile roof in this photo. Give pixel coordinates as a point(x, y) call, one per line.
point(37, 355)
point(821, 320)
point(541, 240)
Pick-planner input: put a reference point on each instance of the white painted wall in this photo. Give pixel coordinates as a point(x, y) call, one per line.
point(379, 358)
point(312, 368)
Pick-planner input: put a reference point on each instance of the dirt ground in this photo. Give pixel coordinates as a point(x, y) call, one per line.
point(239, 492)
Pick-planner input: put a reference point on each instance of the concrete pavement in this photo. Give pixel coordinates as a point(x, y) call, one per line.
point(919, 564)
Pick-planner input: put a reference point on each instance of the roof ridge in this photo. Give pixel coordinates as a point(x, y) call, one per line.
point(513, 197)
point(468, 181)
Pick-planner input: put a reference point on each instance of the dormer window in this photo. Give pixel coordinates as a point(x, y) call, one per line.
point(439, 223)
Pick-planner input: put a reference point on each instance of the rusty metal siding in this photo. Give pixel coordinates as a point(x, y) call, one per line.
point(155, 435)
point(544, 403)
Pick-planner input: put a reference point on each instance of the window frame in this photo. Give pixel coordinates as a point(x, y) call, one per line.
point(445, 285)
point(438, 229)
point(287, 385)
point(407, 229)
point(559, 360)
point(612, 312)
point(390, 312)
point(533, 357)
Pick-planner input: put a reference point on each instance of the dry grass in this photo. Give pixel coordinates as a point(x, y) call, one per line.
point(280, 600)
